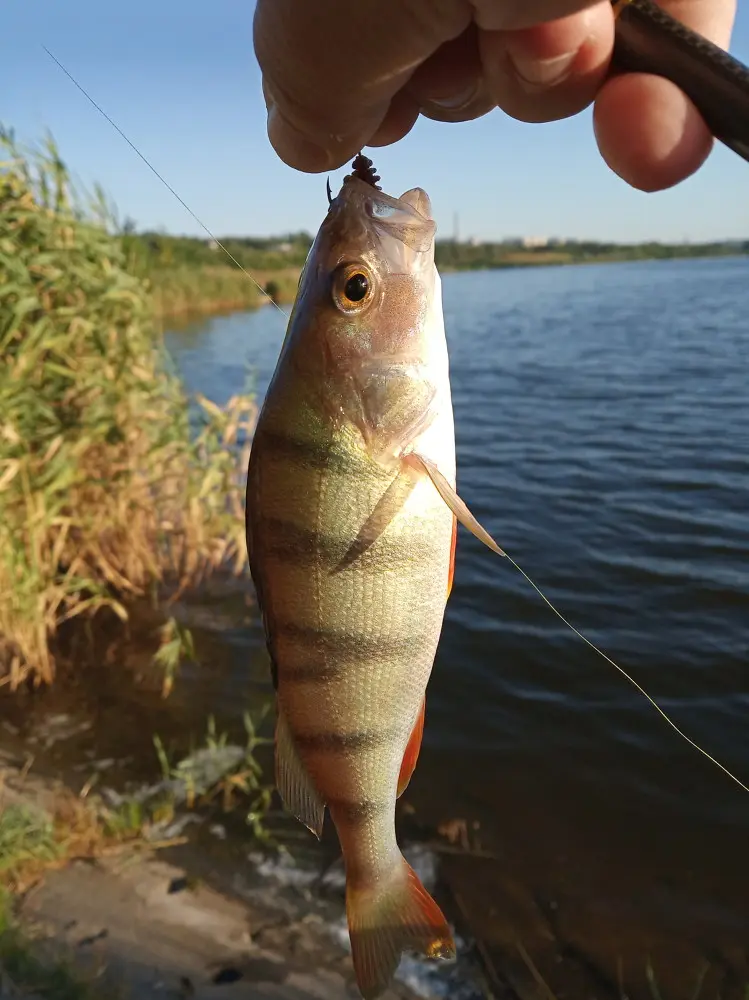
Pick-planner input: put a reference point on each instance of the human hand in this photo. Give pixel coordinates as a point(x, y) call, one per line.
point(339, 76)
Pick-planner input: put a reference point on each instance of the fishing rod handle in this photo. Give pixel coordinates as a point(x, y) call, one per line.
point(649, 40)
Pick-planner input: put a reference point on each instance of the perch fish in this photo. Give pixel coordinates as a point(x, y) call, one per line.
point(351, 528)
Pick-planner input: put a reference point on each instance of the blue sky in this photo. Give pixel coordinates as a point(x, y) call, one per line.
point(181, 80)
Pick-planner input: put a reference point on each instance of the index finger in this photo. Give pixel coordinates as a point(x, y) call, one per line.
point(330, 71)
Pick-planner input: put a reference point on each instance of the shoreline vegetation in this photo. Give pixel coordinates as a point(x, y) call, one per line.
point(190, 276)
point(108, 489)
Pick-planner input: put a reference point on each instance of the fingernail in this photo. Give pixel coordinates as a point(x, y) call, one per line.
point(538, 74)
point(454, 102)
point(294, 148)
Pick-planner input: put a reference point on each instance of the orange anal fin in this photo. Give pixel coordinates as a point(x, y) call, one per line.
point(451, 571)
point(412, 751)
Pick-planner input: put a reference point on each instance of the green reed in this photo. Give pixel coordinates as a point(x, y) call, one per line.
point(105, 491)
point(192, 290)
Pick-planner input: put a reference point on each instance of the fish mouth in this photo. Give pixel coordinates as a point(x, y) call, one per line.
point(407, 219)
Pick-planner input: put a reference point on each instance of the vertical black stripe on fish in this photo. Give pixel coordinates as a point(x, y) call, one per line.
point(353, 811)
point(288, 541)
point(297, 545)
point(323, 654)
point(309, 452)
point(329, 742)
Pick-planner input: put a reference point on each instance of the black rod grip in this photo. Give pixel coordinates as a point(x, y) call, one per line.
point(648, 40)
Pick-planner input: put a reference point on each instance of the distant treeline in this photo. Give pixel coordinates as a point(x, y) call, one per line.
point(152, 251)
point(452, 255)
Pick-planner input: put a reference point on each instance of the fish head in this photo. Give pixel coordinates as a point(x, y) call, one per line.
point(367, 323)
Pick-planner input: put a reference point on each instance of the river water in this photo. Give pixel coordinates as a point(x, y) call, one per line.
point(602, 438)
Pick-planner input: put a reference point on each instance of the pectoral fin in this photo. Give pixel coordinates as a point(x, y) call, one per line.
point(386, 508)
point(453, 501)
point(294, 784)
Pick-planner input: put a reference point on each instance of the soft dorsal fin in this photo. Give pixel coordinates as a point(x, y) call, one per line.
point(295, 787)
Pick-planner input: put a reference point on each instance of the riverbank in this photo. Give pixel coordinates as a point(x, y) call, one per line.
point(487, 255)
point(128, 923)
point(561, 258)
point(194, 907)
point(182, 292)
point(183, 907)
point(197, 276)
point(197, 291)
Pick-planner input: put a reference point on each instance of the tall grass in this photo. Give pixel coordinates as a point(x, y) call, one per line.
point(192, 290)
point(104, 490)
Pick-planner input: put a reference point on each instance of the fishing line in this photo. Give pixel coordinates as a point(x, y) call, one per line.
point(624, 674)
point(664, 715)
point(166, 184)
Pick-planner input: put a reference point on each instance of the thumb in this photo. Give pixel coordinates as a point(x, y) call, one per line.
point(330, 70)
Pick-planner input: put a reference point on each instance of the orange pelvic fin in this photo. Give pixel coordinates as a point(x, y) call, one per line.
point(451, 571)
point(393, 916)
point(412, 751)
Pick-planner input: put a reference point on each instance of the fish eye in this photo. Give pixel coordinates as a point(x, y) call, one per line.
point(356, 287)
point(353, 287)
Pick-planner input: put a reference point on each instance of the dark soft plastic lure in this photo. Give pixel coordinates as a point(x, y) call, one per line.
point(648, 40)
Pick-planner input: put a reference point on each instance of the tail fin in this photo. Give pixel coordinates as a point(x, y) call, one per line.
point(394, 916)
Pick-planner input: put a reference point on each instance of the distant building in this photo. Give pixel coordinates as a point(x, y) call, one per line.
point(535, 241)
